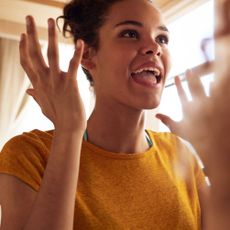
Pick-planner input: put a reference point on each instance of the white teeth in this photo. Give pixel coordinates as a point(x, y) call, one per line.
point(154, 70)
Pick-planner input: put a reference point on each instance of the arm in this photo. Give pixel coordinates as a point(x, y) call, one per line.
point(57, 94)
point(55, 199)
point(53, 207)
point(210, 138)
point(218, 207)
point(16, 199)
point(203, 193)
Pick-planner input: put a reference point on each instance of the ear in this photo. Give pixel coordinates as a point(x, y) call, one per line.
point(88, 60)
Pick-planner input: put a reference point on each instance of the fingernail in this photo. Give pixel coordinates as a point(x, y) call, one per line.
point(28, 21)
point(79, 42)
point(50, 23)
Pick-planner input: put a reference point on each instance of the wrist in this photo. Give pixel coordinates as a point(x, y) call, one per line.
point(70, 127)
point(63, 130)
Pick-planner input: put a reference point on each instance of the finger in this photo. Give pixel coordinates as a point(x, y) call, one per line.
point(31, 92)
point(25, 60)
point(223, 18)
point(205, 43)
point(53, 54)
point(34, 46)
point(76, 59)
point(180, 91)
point(171, 124)
point(195, 85)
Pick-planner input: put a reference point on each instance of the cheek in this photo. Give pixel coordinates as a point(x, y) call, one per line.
point(119, 60)
point(167, 60)
point(111, 68)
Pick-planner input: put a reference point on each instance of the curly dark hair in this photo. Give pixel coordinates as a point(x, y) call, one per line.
point(82, 20)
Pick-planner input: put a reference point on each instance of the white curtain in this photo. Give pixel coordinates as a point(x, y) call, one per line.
point(13, 84)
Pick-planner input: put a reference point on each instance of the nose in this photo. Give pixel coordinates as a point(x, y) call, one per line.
point(151, 48)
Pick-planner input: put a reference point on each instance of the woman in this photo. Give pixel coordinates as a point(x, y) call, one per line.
point(126, 177)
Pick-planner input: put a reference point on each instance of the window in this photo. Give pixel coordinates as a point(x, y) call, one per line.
point(187, 32)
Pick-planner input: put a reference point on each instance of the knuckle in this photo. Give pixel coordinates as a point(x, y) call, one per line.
point(51, 52)
point(73, 62)
point(33, 52)
point(35, 49)
point(47, 71)
point(23, 62)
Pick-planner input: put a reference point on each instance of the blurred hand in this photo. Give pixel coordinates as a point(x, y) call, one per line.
point(197, 113)
point(206, 121)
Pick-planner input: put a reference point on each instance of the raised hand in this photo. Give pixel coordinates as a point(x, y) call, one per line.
point(197, 113)
point(206, 122)
point(55, 91)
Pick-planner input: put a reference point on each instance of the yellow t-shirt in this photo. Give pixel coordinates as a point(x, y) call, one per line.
point(157, 189)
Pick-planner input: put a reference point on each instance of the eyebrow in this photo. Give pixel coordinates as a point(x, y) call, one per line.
point(139, 24)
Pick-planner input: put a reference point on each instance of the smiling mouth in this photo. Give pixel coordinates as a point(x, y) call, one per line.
point(147, 77)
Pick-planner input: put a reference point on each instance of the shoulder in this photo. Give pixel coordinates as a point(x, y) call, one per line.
point(175, 147)
point(167, 140)
point(179, 152)
point(35, 139)
point(25, 156)
point(28, 147)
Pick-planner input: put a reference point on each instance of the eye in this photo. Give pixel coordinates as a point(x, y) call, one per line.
point(130, 34)
point(163, 39)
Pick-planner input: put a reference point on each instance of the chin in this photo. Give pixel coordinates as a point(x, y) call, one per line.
point(153, 103)
point(150, 105)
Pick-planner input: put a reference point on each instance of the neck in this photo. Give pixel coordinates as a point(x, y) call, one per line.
point(117, 129)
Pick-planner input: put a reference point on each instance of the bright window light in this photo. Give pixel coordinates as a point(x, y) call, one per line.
point(187, 32)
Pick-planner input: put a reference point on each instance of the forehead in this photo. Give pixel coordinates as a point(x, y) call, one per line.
point(140, 10)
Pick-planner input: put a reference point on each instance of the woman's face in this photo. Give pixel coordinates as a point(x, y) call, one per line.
point(133, 60)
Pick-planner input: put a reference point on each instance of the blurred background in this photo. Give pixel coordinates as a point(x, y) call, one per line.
point(189, 22)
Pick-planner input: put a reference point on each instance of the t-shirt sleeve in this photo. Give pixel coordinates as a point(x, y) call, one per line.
point(25, 157)
point(182, 158)
point(199, 173)
point(196, 164)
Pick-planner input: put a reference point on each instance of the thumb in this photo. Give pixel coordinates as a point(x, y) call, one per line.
point(30, 92)
point(170, 123)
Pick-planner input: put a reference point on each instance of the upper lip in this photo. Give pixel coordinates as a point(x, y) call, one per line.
point(151, 66)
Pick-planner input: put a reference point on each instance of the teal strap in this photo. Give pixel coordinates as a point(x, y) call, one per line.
point(150, 143)
point(149, 140)
point(85, 137)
